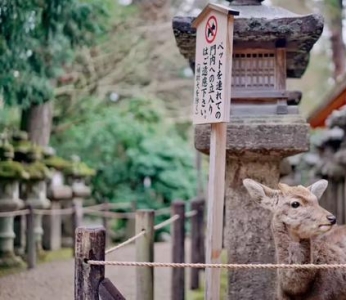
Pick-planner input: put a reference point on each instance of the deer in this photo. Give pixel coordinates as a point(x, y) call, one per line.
point(304, 233)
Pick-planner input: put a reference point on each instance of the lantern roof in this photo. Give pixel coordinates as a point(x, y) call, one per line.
point(213, 7)
point(260, 26)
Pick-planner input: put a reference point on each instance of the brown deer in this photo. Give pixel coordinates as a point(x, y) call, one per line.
point(304, 233)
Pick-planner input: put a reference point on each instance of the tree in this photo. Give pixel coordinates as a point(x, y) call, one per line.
point(38, 40)
point(138, 154)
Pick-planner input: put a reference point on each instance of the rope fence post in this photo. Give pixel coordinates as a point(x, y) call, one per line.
point(197, 241)
point(90, 245)
point(30, 238)
point(105, 221)
point(145, 253)
point(178, 251)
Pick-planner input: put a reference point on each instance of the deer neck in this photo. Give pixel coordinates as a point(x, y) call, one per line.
point(291, 250)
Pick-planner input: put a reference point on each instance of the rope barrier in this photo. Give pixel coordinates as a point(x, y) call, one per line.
point(54, 212)
point(129, 241)
point(191, 213)
point(14, 213)
point(110, 214)
point(95, 207)
point(215, 266)
point(162, 211)
point(167, 222)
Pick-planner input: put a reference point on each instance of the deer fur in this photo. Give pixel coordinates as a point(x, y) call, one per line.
point(304, 235)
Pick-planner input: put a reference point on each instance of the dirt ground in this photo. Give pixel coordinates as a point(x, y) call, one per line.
point(54, 281)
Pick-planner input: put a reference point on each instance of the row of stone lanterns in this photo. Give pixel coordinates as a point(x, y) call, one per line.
point(37, 176)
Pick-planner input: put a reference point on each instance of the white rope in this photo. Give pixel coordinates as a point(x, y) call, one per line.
point(167, 222)
point(130, 240)
point(15, 213)
point(191, 213)
point(216, 266)
point(110, 214)
point(54, 212)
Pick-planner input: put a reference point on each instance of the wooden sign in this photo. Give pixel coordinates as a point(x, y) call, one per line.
point(212, 100)
point(213, 65)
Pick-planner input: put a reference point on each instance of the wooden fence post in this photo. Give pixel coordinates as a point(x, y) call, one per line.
point(90, 245)
point(105, 221)
point(145, 253)
point(30, 238)
point(178, 251)
point(197, 240)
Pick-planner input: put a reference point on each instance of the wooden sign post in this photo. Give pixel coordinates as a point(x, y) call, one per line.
point(212, 100)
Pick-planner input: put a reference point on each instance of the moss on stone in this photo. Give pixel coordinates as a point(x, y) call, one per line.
point(79, 169)
point(37, 171)
point(6, 151)
point(13, 170)
point(57, 163)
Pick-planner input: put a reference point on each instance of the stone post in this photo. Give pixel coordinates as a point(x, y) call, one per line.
point(57, 193)
point(255, 148)
point(9, 201)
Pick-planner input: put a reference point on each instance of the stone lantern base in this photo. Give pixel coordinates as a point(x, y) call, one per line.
point(255, 146)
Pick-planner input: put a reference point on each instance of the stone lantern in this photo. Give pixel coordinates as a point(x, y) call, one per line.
point(57, 192)
point(77, 175)
point(270, 45)
point(34, 189)
point(10, 174)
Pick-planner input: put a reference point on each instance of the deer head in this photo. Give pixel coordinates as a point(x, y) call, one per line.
point(295, 207)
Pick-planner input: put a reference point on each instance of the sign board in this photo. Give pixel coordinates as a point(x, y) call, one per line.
point(212, 101)
point(213, 62)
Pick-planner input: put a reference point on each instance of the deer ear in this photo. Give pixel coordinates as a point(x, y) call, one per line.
point(260, 193)
point(318, 188)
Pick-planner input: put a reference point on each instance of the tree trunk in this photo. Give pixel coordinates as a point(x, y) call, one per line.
point(37, 122)
point(334, 16)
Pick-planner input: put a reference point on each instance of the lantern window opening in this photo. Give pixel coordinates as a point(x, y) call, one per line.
point(254, 70)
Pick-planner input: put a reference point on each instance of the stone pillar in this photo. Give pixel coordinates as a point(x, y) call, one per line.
point(9, 201)
point(36, 196)
point(52, 224)
point(255, 148)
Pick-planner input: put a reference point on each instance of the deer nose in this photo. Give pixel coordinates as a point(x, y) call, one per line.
point(331, 219)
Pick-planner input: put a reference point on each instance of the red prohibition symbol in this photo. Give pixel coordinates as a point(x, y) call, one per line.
point(211, 29)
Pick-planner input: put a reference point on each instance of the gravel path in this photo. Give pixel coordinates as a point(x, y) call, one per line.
point(54, 281)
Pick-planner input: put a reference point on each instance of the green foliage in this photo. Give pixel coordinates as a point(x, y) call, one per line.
point(37, 43)
point(128, 145)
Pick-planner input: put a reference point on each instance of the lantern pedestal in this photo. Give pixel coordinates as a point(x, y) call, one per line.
point(255, 147)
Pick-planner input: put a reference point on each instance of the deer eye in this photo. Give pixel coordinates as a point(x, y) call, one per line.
point(295, 204)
